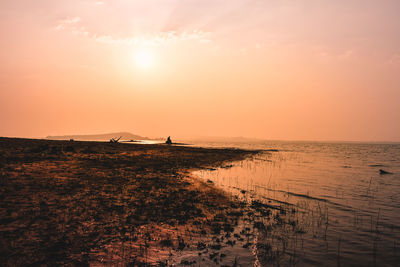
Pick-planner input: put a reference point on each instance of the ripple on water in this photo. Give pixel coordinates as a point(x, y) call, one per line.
point(348, 212)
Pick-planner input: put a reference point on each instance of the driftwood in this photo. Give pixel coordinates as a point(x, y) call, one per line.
point(113, 140)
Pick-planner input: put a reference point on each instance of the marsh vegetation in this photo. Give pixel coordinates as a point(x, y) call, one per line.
point(109, 203)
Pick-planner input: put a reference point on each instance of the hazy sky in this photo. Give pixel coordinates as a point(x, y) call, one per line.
point(308, 70)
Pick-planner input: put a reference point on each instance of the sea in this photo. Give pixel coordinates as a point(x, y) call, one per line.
point(342, 198)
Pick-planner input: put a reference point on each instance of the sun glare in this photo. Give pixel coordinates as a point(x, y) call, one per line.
point(144, 59)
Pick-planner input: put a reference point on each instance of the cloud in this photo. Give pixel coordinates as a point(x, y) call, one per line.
point(345, 55)
point(155, 39)
point(74, 26)
point(67, 23)
point(326, 53)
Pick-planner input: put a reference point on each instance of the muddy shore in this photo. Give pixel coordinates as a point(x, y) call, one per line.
point(93, 203)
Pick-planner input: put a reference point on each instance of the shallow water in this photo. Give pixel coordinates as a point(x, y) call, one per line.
point(348, 213)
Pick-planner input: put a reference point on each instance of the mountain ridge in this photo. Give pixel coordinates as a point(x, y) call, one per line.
point(98, 137)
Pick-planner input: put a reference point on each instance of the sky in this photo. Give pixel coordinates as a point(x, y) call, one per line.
point(269, 69)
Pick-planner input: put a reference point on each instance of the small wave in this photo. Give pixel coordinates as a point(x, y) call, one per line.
point(278, 201)
point(337, 205)
point(377, 165)
point(307, 196)
point(294, 194)
point(261, 159)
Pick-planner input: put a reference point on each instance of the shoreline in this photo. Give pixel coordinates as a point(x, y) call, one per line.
point(98, 203)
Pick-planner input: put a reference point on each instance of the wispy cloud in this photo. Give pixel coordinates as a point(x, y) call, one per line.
point(155, 39)
point(68, 23)
point(74, 26)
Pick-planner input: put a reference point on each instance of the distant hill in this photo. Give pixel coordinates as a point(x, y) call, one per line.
point(99, 137)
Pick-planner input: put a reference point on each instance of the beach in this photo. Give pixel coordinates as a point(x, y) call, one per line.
point(87, 203)
point(98, 203)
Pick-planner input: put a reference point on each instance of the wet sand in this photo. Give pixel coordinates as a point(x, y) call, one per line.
point(93, 203)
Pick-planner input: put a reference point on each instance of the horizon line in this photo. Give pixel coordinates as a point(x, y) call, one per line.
point(219, 137)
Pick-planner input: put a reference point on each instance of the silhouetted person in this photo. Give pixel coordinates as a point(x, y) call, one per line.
point(168, 140)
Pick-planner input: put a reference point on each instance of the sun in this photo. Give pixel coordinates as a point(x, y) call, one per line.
point(144, 59)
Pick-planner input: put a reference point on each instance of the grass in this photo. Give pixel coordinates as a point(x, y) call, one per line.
point(78, 203)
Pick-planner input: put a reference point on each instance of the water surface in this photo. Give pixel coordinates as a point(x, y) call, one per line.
point(348, 213)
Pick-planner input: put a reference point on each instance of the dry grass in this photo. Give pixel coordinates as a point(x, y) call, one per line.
point(83, 202)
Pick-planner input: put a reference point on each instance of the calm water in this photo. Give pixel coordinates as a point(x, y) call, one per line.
point(348, 213)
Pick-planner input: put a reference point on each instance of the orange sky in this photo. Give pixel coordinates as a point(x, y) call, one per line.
point(299, 70)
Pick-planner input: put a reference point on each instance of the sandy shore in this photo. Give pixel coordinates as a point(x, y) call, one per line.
point(91, 203)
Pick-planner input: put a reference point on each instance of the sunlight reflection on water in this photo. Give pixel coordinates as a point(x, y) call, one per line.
point(349, 211)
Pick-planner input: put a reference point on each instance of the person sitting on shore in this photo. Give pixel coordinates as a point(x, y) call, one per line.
point(168, 140)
